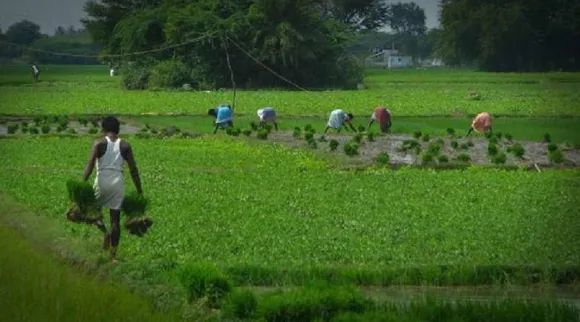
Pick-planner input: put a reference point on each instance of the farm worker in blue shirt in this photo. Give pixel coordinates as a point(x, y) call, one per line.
point(223, 115)
point(268, 115)
point(338, 119)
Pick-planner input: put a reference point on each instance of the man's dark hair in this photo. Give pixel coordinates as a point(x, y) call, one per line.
point(111, 124)
point(350, 116)
point(212, 112)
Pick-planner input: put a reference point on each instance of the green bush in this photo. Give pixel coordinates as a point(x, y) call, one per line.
point(417, 134)
point(552, 147)
point(333, 144)
point(309, 303)
point(241, 304)
point(45, 128)
point(168, 74)
point(262, 134)
point(500, 158)
point(382, 158)
point(205, 281)
point(556, 156)
point(463, 157)
point(518, 150)
point(351, 148)
point(12, 128)
point(492, 149)
point(135, 77)
point(443, 158)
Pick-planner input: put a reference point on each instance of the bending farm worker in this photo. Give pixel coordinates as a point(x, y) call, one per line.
point(110, 154)
point(481, 123)
point(223, 115)
point(338, 119)
point(35, 72)
point(383, 117)
point(268, 115)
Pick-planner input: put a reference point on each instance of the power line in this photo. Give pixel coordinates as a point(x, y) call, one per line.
point(266, 67)
point(109, 55)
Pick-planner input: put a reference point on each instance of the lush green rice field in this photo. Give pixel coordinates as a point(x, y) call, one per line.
point(269, 214)
point(81, 89)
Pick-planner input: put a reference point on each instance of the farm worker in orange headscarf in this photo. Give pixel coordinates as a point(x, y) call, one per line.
point(383, 117)
point(481, 123)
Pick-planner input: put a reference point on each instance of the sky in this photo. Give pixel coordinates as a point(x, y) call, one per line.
point(50, 14)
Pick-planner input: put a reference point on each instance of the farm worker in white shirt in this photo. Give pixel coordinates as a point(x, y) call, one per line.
point(338, 119)
point(268, 115)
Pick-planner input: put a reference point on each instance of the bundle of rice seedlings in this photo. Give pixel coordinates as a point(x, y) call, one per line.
point(134, 207)
point(83, 207)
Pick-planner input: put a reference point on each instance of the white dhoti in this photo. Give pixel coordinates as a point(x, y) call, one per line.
point(110, 189)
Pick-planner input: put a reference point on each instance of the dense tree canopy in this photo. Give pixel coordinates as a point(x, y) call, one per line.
point(511, 35)
point(304, 40)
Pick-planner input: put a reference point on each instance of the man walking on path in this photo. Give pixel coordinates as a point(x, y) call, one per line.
point(110, 154)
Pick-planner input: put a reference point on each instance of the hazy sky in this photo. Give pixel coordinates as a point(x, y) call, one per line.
point(50, 14)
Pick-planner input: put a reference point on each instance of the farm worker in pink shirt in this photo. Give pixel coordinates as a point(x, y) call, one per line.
point(481, 123)
point(383, 117)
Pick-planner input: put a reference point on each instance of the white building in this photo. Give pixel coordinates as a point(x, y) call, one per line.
point(389, 58)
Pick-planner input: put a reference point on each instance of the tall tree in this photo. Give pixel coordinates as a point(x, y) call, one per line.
point(23, 33)
point(358, 14)
point(407, 20)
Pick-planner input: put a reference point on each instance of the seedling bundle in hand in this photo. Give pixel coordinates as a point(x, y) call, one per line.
point(134, 207)
point(83, 208)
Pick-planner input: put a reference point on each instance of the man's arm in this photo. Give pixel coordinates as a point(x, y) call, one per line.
point(133, 168)
point(91, 162)
point(370, 123)
point(351, 126)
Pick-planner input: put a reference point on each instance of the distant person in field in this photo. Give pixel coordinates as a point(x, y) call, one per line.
point(110, 154)
point(481, 123)
point(339, 119)
point(382, 116)
point(223, 115)
point(268, 114)
point(35, 72)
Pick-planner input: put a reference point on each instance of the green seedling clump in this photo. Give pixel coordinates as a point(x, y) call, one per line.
point(500, 158)
point(351, 148)
point(81, 193)
point(269, 127)
point(556, 156)
point(333, 145)
point(297, 132)
point(254, 126)
point(262, 134)
point(72, 131)
point(361, 128)
point(12, 128)
point(357, 138)
point(322, 139)
point(464, 146)
point(463, 157)
point(25, 130)
point(499, 135)
point(552, 147)
point(241, 304)
point(309, 128)
point(454, 144)
point(417, 134)
point(60, 128)
point(312, 144)
point(308, 136)
point(518, 150)
point(492, 140)
point(434, 148)
point(371, 136)
point(451, 131)
point(83, 121)
point(427, 158)
point(24, 124)
point(45, 128)
point(382, 158)
point(492, 149)
point(33, 130)
point(426, 138)
point(547, 138)
point(443, 158)
point(508, 137)
point(205, 281)
point(134, 204)
point(93, 131)
point(37, 120)
point(470, 144)
point(247, 132)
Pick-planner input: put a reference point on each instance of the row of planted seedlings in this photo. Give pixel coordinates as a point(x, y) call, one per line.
point(54, 124)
